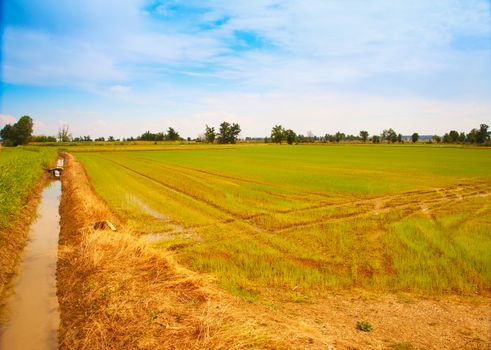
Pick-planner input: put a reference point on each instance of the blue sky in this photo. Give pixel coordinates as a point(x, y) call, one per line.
point(123, 67)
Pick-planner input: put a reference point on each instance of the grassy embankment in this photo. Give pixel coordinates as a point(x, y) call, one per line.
point(21, 169)
point(311, 218)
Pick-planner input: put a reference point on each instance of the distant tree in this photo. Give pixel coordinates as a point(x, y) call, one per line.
point(436, 138)
point(223, 132)
point(149, 136)
point(364, 135)
point(453, 136)
point(446, 138)
point(415, 137)
point(277, 134)
point(172, 135)
point(100, 139)
point(228, 133)
point(339, 136)
point(399, 138)
point(290, 136)
point(110, 139)
point(43, 138)
point(462, 138)
point(209, 134)
point(234, 133)
point(482, 134)
point(389, 135)
point(64, 134)
point(375, 139)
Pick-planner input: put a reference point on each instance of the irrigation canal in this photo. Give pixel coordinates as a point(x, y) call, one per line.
point(32, 308)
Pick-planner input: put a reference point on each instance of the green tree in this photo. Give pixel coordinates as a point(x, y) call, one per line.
point(234, 133)
point(364, 135)
point(415, 137)
point(209, 134)
point(436, 138)
point(340, 136)
point(375, 139)
point(172, 135)
point(446, 138)
point(222, 135)
point(228, 133)
point(277, 134)
point(290, 136)
point(18, 134)
point(482, 134)
point(461, 137)
point(389, 135)
point(453, 136)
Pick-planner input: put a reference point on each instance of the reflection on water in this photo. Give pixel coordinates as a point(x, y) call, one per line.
point(33, 314)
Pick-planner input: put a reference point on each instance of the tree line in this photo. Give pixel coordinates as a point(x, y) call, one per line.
point(476, 136)
point(20, 133)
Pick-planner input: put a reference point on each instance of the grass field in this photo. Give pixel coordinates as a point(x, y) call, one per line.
point(304, 219)
point(20, 171)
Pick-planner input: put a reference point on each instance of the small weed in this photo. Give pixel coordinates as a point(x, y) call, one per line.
point(192, 302)
point(364, 326)
point(153, 315)
point(297, 297)
point(178, 317)
point(402, 346)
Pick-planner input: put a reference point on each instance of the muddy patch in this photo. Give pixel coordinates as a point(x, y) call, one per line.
point(32, 312)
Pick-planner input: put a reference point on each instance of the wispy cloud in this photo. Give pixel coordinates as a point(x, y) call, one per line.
point(171, 58)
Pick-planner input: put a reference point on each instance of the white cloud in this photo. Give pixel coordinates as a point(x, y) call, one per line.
point(120, 88)
point(319, 65)
point(6, 119)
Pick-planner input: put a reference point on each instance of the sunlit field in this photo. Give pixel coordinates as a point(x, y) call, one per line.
point(307, 219)
point(20, 170)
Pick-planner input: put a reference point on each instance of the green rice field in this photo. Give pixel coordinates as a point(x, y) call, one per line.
point(310, 218)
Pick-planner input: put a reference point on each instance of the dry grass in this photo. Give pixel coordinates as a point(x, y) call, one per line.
point(116, 292)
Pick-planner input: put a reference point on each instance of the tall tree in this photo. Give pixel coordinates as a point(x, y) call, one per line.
point(228, 133)
point(482, 134)
point(389, 135)
point(64, 134)
point(209, 134)
point(453, 136)
point(415, 137)
point(290, 136)
point(340, 136)
point(364, 135)
point(172, 135)
point(18, 134)
point(223, 132)
point(234, 133)
point(277, 134)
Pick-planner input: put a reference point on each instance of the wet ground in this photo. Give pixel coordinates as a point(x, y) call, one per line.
point(32, 308)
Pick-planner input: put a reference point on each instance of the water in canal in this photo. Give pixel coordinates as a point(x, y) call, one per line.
point(32, 308)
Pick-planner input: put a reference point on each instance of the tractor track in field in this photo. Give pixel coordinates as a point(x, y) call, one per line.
point(412, 201)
